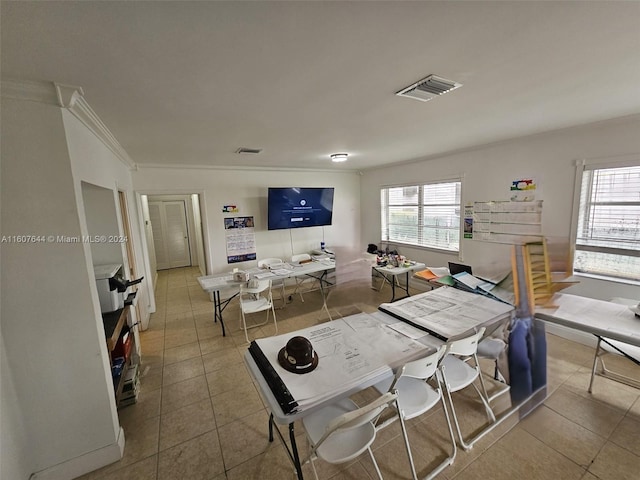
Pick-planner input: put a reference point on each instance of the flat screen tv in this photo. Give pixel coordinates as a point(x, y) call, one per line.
point(294, 207)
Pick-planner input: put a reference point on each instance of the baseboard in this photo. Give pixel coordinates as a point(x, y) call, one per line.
point(84, 463)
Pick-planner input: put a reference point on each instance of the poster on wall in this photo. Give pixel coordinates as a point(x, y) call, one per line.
point(523, 189)
point(468, 220)
point(240, 239)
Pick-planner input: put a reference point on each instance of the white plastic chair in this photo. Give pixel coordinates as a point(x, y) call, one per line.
point(276, 282)
point(458, 373)
point(296, 259)
point(416, 397)
point(342, 431)
point(254, 299)
point(607, 346)
point(491, 349)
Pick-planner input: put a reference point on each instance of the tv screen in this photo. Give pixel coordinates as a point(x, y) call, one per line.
point(293, 207)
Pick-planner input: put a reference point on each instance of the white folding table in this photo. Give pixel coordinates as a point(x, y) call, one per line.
point(390, 274)
point(224, 282)
point(607, 321)
point(331, 386)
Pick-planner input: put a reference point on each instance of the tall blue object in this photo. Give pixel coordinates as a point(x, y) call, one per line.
point(520, 355)
point(539, 357)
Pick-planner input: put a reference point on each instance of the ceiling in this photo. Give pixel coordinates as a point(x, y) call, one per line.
point(188, 83)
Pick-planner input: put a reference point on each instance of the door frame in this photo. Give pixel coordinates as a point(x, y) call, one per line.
point(190, 234)
point(205, 232)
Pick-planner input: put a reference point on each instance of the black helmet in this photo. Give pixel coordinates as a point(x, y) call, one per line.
point(298, 356)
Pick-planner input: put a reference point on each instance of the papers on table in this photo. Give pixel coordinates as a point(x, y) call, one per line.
point(502, 291)
point(262, 276)
point(282, 271)
point(407, 330)
point(447, 312)
point(352, 352)
point(218, 282)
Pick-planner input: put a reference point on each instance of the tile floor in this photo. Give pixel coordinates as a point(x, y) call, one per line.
point(199, 416)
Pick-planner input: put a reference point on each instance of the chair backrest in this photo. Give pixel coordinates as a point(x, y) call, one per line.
point(466, 346)
point(362, 415)
point(300, 257)
point(423, 368)
point(255, 287)
point(266, 262)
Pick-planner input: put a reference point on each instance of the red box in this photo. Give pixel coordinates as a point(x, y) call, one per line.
point(123, 347)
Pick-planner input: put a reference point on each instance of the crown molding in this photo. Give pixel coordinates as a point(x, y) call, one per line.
point(177, 166)
point(71, 98)
point(41, 92)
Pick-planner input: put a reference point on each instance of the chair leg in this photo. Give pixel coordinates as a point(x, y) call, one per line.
point(407, 446)
point(455, 420)
point(384, 280)
point(485, 401)
point(313, 467)
point(244, 325)
point(484, 396)
point(275, 322)
point(454, 449)
point(375, 464)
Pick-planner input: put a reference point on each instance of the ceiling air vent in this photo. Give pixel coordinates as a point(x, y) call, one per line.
point(250, 151)
point(428, 88)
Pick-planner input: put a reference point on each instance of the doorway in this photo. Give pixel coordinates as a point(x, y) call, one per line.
point(170, 233)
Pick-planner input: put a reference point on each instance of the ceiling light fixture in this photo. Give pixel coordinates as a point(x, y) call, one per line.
point(339, 157)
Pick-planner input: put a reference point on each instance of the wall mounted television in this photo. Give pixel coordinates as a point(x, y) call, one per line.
point(296, 207)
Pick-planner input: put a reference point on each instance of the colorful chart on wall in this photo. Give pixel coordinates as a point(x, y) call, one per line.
point(523, 189)
point(240, 239)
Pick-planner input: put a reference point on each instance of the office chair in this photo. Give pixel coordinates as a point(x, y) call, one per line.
point(340, 432)
point(276, 282)
point(458, 372)
point(416, 397)
point(255, 299)
point(296, 259)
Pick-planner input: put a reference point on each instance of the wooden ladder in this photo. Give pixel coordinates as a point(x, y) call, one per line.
point(538, 273)
point(535, 276)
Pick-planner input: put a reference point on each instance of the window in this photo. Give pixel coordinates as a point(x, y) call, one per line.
point(608, 233)
point(423, 215)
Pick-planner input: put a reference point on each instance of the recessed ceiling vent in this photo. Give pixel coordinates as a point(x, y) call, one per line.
point(428, 88)
point(249, 151)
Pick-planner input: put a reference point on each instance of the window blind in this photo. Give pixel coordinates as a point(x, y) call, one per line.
point(608, 234)
point(425, 215)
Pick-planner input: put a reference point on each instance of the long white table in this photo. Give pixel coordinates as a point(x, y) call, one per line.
point(217, 284)
point(598, 317)
point(379, 349)
point(613, 324)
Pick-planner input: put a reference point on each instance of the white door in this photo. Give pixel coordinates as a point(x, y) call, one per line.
point(170, 234)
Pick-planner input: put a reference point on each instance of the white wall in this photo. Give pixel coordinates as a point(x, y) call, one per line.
point(54, 348)
point(102, 220)
point(148, 233)
point(197, 221)
point(93, 162)
point(247, 189)
point(14, 442)
point(488, 172)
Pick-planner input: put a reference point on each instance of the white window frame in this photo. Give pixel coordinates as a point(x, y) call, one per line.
point(421, 242)
point(584, 167)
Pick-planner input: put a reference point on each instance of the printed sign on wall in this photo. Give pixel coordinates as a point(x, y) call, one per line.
point(240, 239)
